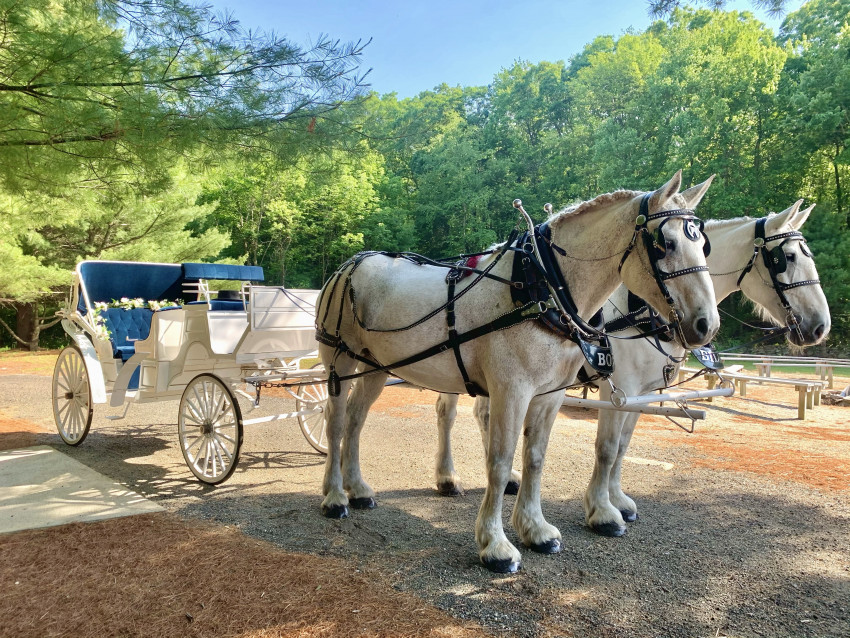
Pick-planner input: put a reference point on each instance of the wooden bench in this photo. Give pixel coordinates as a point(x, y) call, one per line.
point(824, 366)
point(824, 369)
point(808, 392)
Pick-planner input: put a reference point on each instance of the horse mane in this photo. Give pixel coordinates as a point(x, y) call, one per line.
point(596, 203)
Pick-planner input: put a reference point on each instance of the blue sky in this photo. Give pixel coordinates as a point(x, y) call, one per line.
point(419, 45)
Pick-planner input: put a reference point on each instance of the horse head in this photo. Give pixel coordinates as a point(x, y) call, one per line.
point(783, 280)
point(667, 269)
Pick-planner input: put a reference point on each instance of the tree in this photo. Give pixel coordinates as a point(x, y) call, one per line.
point(99, 93)
point(816, 89)
point(663, 8)
point(297, 220)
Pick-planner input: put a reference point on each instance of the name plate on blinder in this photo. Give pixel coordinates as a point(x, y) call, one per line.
point(599, 357)
point(708, 357)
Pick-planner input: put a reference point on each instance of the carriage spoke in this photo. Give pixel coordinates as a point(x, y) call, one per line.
point(218, 456)
point(191, 413)
point(222, 435)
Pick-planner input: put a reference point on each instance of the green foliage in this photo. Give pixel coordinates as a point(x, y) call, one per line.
point(299, 220)
point(99, 94)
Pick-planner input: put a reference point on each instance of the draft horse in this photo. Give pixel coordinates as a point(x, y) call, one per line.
point(385, 312)
point(766, 258)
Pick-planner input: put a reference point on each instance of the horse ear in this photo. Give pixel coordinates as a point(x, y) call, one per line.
point(666, 192)
point(694, 194)
point(777, 221)
point(801, 217)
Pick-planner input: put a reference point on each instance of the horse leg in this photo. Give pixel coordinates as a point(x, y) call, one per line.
point(602, 517)
point(626, 505)
point(448, 482)
point(481, 410)
point(366, 390)
point(335, 503)
point(508, 408)
point(527, 519)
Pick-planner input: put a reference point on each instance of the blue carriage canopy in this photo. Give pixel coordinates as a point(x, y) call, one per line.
point(104, 281)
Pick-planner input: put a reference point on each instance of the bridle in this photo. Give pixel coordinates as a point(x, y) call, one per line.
point(656, 249)
point(776, 264)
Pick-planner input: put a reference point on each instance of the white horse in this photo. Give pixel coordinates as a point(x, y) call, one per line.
point(736, 263)
point(373, 294)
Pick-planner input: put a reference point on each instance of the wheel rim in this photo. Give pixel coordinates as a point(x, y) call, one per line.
point(72, 409)
point(210, 429)
point(313, 426)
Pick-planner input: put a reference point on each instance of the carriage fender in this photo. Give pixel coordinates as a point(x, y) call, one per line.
point(93, 369)
point(119, 388)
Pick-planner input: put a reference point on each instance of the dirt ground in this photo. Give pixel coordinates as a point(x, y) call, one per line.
point(742, 531)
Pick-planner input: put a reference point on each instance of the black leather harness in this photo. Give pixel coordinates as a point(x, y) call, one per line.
point(533, 282)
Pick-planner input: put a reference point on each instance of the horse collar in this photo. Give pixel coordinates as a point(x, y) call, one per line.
point(542, 280)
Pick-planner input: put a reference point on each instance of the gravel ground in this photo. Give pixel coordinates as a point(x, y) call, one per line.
point(746, 534)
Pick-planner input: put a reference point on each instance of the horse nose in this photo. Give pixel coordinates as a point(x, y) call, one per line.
point(819, 332)
point(704, 329)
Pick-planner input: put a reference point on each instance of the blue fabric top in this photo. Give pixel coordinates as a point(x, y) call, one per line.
point(193, 272)
point(108, 280)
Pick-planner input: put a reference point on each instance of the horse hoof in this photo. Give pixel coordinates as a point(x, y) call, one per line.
point(363, 503)
point(512, 487)
point(502, 565)
point(612, 530)
point(449, 489)
point(629, 516)
point(335, 511)
point(552, 546)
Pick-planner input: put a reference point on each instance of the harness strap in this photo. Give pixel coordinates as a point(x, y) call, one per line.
point(472, 388)
point(528, 312)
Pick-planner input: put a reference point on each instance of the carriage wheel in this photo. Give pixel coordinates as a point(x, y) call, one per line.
point(313, 426)
point(209, 427)
point(72, 406)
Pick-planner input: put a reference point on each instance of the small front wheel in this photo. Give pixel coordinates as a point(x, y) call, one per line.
point(314, 396)
point(210, 429)
point(72, 405)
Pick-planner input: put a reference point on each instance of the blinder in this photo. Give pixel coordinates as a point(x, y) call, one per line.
point(777, 259)
point(693, 228)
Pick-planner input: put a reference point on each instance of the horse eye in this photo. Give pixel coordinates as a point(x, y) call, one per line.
point(790, 257)
point(670, 245)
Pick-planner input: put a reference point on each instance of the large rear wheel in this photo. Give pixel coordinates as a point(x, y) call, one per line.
point(72, 404)
point(314, 396)
point(210, 429)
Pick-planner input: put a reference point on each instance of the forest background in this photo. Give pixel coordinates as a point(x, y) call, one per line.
point(156, 130)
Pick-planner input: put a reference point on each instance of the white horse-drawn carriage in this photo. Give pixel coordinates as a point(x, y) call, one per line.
point(513, 332)
point(144, 332)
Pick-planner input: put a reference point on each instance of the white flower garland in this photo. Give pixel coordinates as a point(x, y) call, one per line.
point(102, 333)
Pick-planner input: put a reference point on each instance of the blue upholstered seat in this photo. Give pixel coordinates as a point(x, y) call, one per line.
point(125, 328)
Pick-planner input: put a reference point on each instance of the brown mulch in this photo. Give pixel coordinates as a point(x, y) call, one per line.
point(156, 576)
